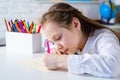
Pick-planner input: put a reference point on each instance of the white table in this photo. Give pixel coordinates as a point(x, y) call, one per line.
point(11, 70)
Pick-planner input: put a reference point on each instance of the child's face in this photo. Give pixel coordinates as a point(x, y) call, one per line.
point(66, 40)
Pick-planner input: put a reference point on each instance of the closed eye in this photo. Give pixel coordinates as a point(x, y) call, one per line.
point(58, 38)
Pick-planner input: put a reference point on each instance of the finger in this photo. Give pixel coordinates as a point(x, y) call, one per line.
point(54, 51)
point(58, 52)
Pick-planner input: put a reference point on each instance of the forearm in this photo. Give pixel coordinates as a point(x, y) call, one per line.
point(62, 62)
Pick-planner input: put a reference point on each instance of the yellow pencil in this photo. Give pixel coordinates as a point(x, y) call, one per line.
point(26, 27)
point(31, 27)
point(6, 24)
point(34, 28)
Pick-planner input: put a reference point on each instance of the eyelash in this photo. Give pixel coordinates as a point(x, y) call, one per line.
point(55, 40)
point(58, 38)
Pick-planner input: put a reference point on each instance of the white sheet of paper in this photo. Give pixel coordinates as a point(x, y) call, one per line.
point(36, 63)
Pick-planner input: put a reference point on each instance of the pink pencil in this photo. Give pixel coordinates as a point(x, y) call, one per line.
point(48, 47)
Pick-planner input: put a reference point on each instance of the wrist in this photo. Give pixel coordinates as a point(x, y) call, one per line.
point(62, 61)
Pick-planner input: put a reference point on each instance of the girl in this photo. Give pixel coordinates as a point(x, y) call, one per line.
point(81, 44)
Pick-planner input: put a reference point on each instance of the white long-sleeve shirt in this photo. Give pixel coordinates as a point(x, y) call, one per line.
point(100, 56)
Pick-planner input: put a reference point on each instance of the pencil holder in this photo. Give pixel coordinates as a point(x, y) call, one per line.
point(23, 43)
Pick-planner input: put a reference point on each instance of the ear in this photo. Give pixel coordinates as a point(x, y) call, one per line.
point(76, 24)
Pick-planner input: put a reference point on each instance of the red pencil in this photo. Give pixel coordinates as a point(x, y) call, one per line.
point(39, 28)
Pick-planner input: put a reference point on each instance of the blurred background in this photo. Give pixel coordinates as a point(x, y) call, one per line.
point(32, 10)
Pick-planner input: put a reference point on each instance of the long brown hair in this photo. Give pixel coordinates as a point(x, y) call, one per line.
point(63, 13)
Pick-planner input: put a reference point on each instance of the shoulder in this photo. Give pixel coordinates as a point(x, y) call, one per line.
point(104, 34)
point(104, 37)
point(101, 32)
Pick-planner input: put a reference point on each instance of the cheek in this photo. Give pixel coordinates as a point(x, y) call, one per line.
point(66, 43)
point(71, 44)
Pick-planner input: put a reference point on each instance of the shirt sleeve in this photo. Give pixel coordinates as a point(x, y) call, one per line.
point(106, 63)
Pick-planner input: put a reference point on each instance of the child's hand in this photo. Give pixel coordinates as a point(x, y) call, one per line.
point(57, 52)
point(54, 51)
point(51, 60)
